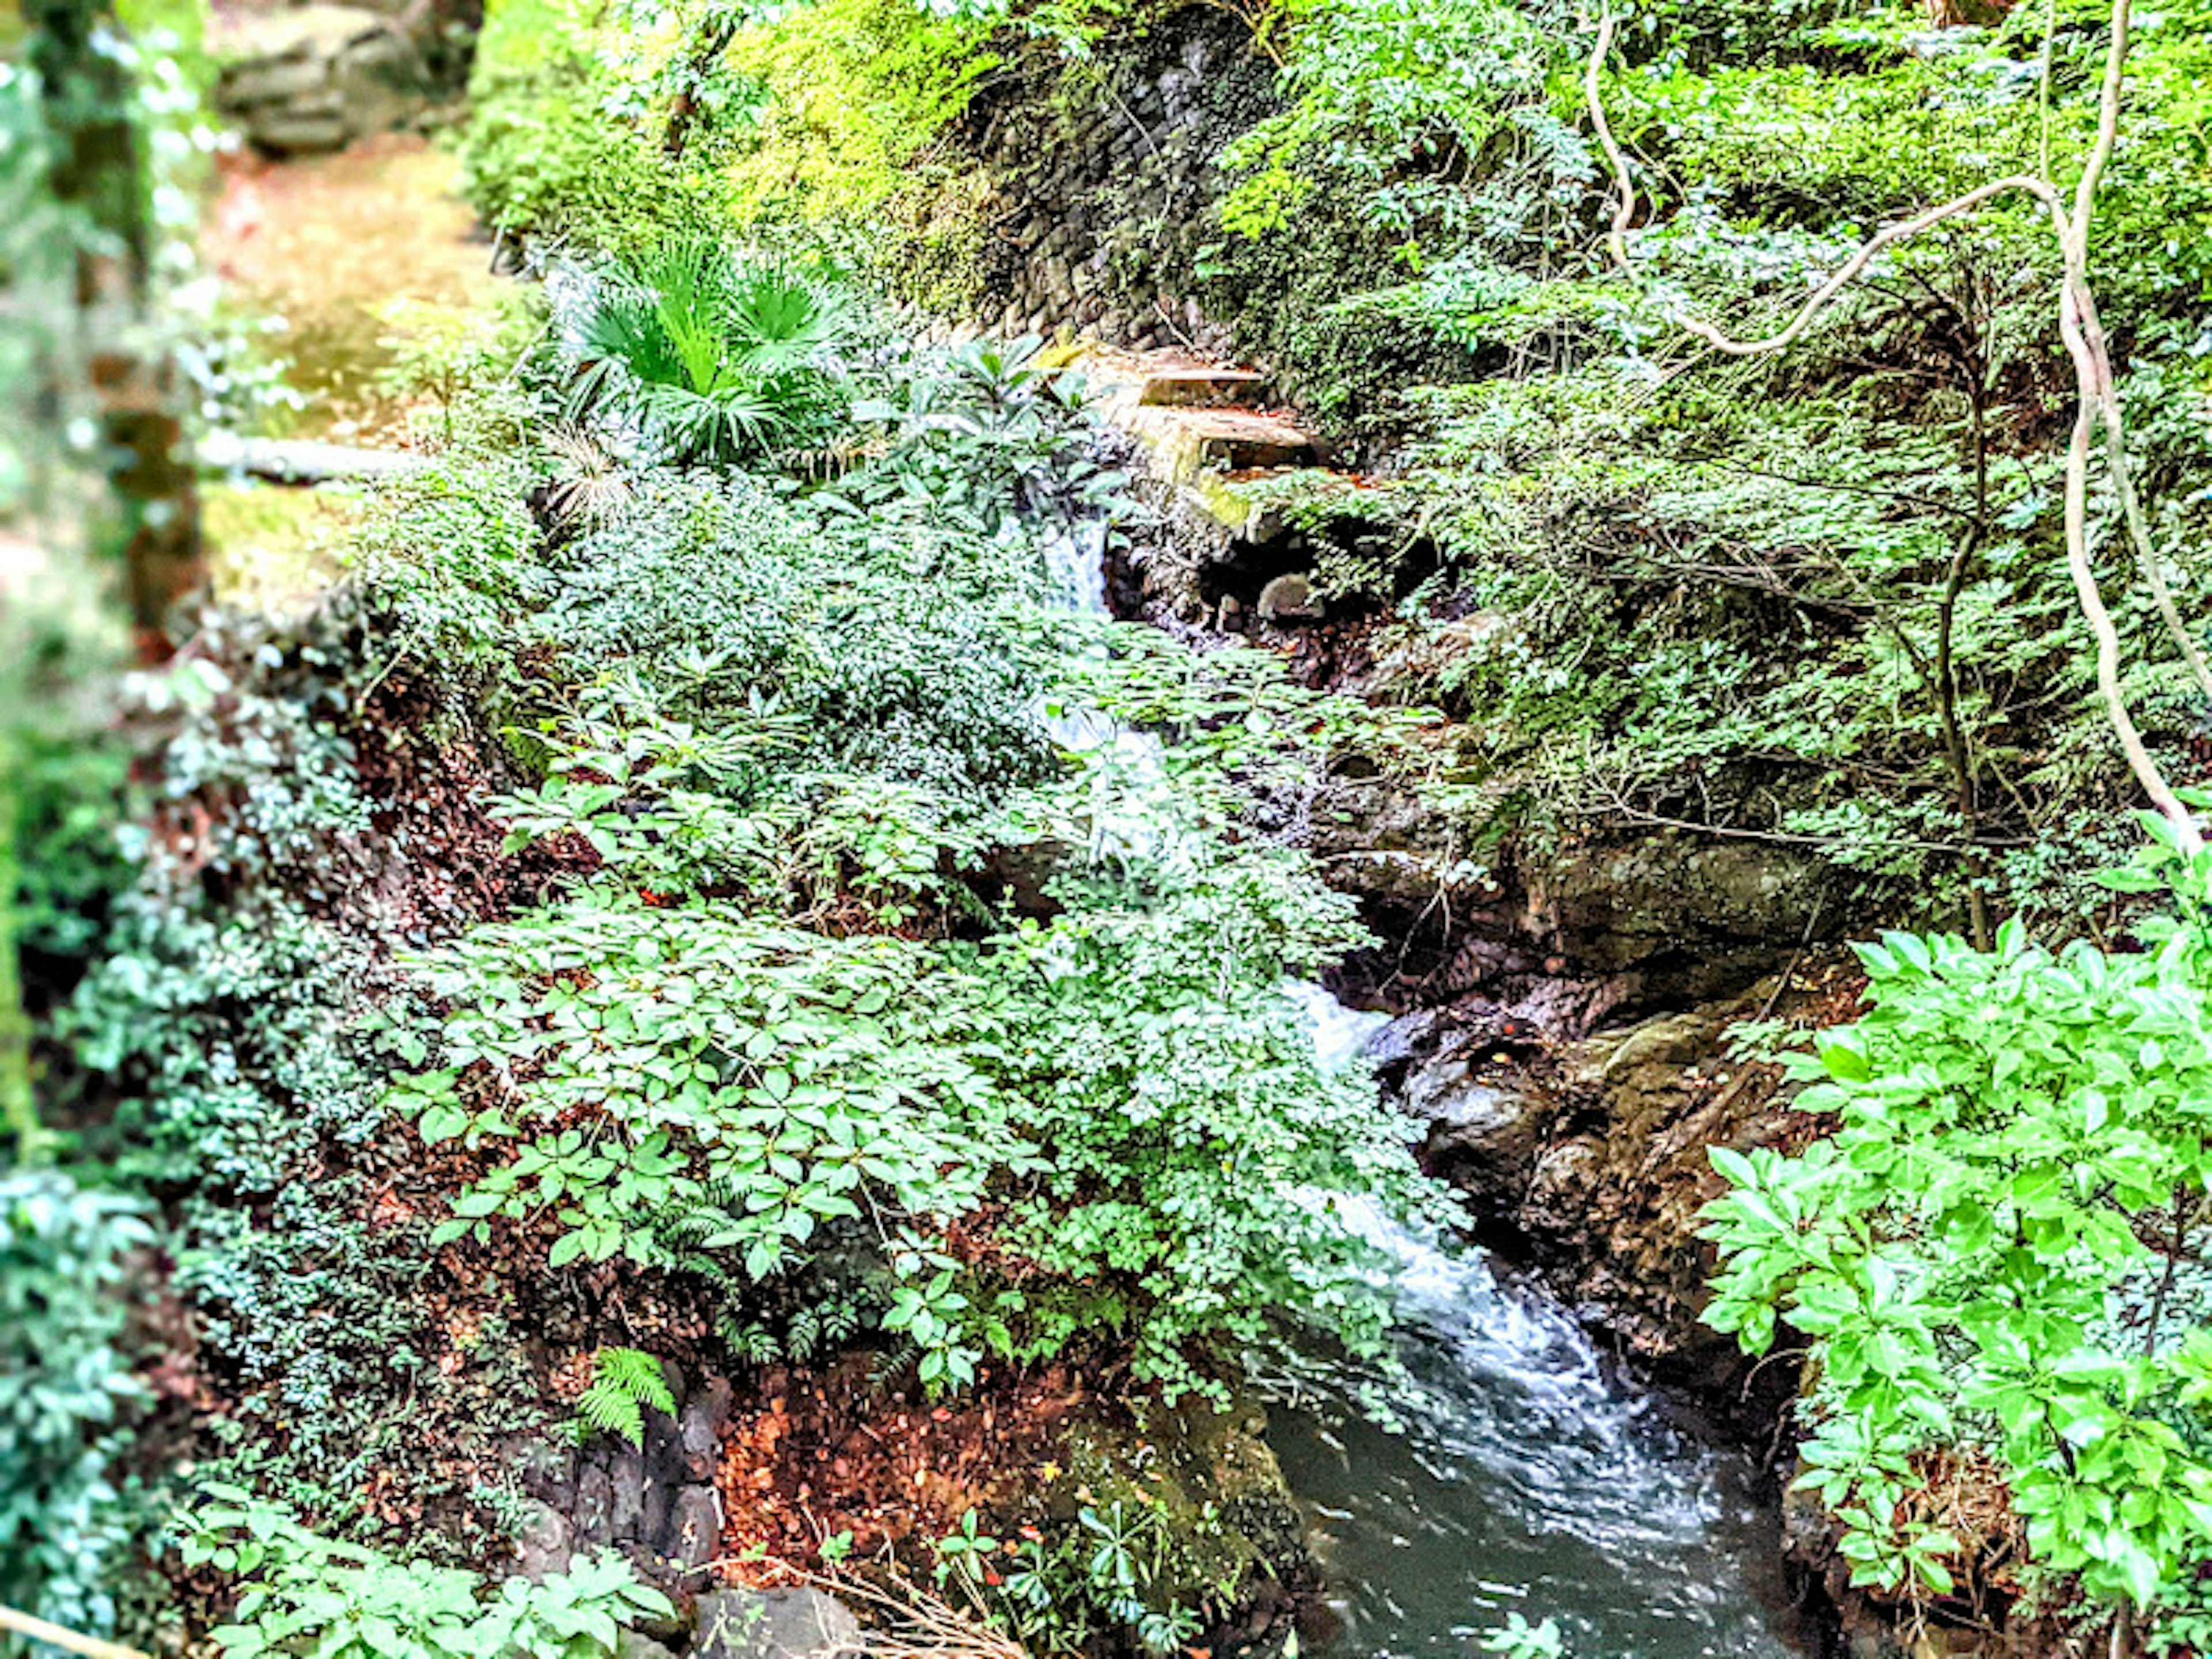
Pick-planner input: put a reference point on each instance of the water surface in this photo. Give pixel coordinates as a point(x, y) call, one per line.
point(1526, 1476)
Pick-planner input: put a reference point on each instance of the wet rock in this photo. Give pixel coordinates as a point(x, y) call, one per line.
point(1560, 1187)
point(626, 1474)
point(1213, 1480)
point(1291, 600)
point(706, 1415)
point(780, 1624)
point(1486, 1123)
point(1702, 908)
point(1404, 1039)
point(666, 1467)
point(635, 1644)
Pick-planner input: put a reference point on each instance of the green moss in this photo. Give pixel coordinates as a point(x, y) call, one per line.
point(1211, 1495)
point(852, 95)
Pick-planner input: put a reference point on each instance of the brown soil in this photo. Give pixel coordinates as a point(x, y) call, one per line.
point(822, 1453)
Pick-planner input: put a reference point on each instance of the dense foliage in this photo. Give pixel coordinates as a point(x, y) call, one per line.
point(66, 1259)
point(702, 884)
point(1992, 1258)
point(1714, 611)
point(352, 1603)
point(786, 1012)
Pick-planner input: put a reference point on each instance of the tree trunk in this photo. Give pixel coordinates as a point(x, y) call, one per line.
point(99, 168)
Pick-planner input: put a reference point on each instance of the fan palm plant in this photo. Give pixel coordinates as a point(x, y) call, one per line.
point(708, 357)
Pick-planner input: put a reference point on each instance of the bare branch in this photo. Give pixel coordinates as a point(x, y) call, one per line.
point(38, 1630)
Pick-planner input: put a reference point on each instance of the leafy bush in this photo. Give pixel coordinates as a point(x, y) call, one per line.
point(66, 1253)
point(302, 1590)
point(1439, 117)
point(1992, 1258)
point(705, 356)
point(794, 1017)
point(561, 144)
point(851, 94)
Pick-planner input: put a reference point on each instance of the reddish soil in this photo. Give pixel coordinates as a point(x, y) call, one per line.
point(822, 1453)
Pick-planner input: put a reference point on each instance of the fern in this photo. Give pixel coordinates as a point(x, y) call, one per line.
point(624, 1382)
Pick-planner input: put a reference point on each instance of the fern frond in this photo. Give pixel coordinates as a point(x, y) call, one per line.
point(624, 1382)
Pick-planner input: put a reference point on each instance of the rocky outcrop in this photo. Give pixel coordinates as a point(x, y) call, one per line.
point(305, 79)
point(1590, 1160)
point(748, 1624)
point(655, 1502)
point(1229, 1520)
point(1102, 203)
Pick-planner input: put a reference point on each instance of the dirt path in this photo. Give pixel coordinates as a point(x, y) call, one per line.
point(347, 250)
point(332, 245)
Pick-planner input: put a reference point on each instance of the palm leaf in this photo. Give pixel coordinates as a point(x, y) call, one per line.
point(710, 359)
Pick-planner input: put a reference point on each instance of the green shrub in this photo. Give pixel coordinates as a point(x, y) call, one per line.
point(66, 1389)
point(853, 94)
point(1992, 1257)
point(302, 1590)
point(706, 357)
point(792, 1018)
point(562, 144)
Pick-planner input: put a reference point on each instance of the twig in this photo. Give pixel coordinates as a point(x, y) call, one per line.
point(38, 1630)
point(1782, 985)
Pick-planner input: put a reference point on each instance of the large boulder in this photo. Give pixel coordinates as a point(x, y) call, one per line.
point(1711, 914)
point(1487, 1115)
point(311, 78)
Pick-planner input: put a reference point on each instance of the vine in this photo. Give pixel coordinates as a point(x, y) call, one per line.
point(2086, 345)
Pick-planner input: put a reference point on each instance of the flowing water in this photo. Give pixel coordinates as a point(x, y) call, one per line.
point(1524, 1476)
point(1521, 1474)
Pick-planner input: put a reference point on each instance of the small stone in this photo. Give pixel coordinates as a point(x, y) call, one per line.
point(1291, 598)
point(697, 1532)
point(635, 1644)
point(546, 1543)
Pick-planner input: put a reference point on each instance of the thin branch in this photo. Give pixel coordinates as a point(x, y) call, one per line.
point(2086, 345)
point(38, 1630)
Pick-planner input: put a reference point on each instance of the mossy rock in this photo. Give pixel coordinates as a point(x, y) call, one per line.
point(1228, 1524)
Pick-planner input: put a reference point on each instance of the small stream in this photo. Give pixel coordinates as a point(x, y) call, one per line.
point(1524, 1475)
